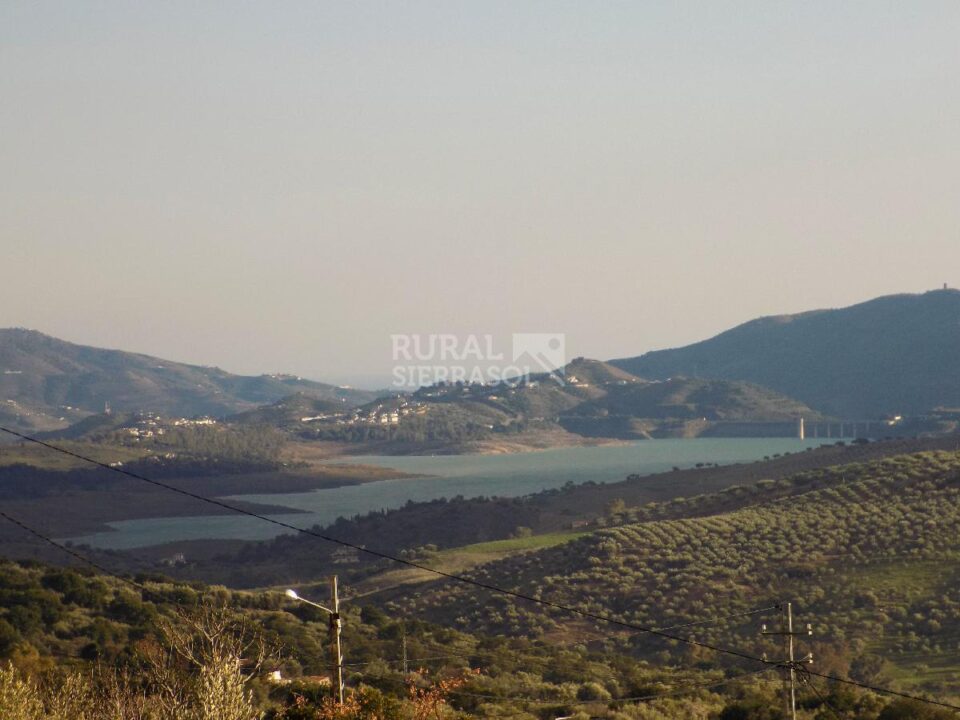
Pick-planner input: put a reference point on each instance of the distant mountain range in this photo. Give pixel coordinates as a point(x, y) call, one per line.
point(898, 354)
point(46, 384)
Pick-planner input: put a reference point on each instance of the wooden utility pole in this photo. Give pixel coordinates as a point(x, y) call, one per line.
point(336, 676)
point(790, 664)
point(406, 668)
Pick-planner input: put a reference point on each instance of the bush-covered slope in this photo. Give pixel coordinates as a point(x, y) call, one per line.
point(91, 646)
point(868, 553)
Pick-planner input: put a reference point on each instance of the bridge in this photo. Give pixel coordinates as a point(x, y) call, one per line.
point(840, 429)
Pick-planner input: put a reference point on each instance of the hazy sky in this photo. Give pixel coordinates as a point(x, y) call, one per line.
point(282, 185)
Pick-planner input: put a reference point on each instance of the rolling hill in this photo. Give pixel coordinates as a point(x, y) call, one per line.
point(292, 411)
point(595, 400)
point(79, 631)
point(892, 355)
point(867, 550)
point(47, 384)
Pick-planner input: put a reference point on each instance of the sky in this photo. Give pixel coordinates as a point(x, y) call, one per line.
point(273, 187)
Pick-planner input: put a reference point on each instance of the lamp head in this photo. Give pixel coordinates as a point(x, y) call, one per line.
point(291, 593)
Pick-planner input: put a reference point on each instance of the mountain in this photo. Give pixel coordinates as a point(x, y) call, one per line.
point(46, 384)
point(592, 400)
point(892, 355)
point(694, 398)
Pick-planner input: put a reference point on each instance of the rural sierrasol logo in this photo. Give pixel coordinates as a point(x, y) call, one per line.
point(422, 359)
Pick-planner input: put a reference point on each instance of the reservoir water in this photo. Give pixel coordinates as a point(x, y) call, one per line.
point(448, 476)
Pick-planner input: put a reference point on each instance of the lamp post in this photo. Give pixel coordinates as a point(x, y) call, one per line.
point(336, 676)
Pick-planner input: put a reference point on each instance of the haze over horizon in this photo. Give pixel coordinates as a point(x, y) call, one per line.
point(281, 188)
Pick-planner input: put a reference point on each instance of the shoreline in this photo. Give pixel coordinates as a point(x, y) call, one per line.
point(508, 445)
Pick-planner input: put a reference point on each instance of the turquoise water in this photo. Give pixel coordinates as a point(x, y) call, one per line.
point(467, 475)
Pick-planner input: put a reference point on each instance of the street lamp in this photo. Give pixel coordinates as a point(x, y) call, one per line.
point(292, 594)
point(335, 625)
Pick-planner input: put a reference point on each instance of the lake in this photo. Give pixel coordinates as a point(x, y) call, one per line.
point(449, 475)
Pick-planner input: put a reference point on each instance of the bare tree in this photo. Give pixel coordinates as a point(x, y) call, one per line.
point(202, 667)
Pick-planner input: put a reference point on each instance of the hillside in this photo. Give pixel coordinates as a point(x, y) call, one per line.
point(596, 372)
point(46, 384)
point(692, 398)
point(292, 411)
point(687, 407)
point(594, 401)
point(74, 644)
point(867, 552)
point(892, 355)
point(456, 521)
point(59, 627)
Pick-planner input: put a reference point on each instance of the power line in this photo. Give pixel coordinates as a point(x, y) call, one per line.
point(824, 700)
point(718, 618)
point(477, 653)
point(452, 576)
point(598, 637)
point(881, 690)
point(142, 588)
point(546, 661)
point(82, 558)
point(414, 661)
point(386, 556)
point(106, 571)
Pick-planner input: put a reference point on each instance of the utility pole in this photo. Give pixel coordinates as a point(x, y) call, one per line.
point(336, 653)
point(336, 677)
point(403, 637)
point(790, 664)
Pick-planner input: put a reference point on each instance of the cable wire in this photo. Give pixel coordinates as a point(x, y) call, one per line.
point(478, 653)
point(546, 661)
point(386, 556)
point(87, 561)
point(452, 576)
point(823, 699)
point(882, 690)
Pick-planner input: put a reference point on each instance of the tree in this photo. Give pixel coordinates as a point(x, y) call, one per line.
point(914, 710)
point(204, 665)
point(615, 507)
point(869, 668)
